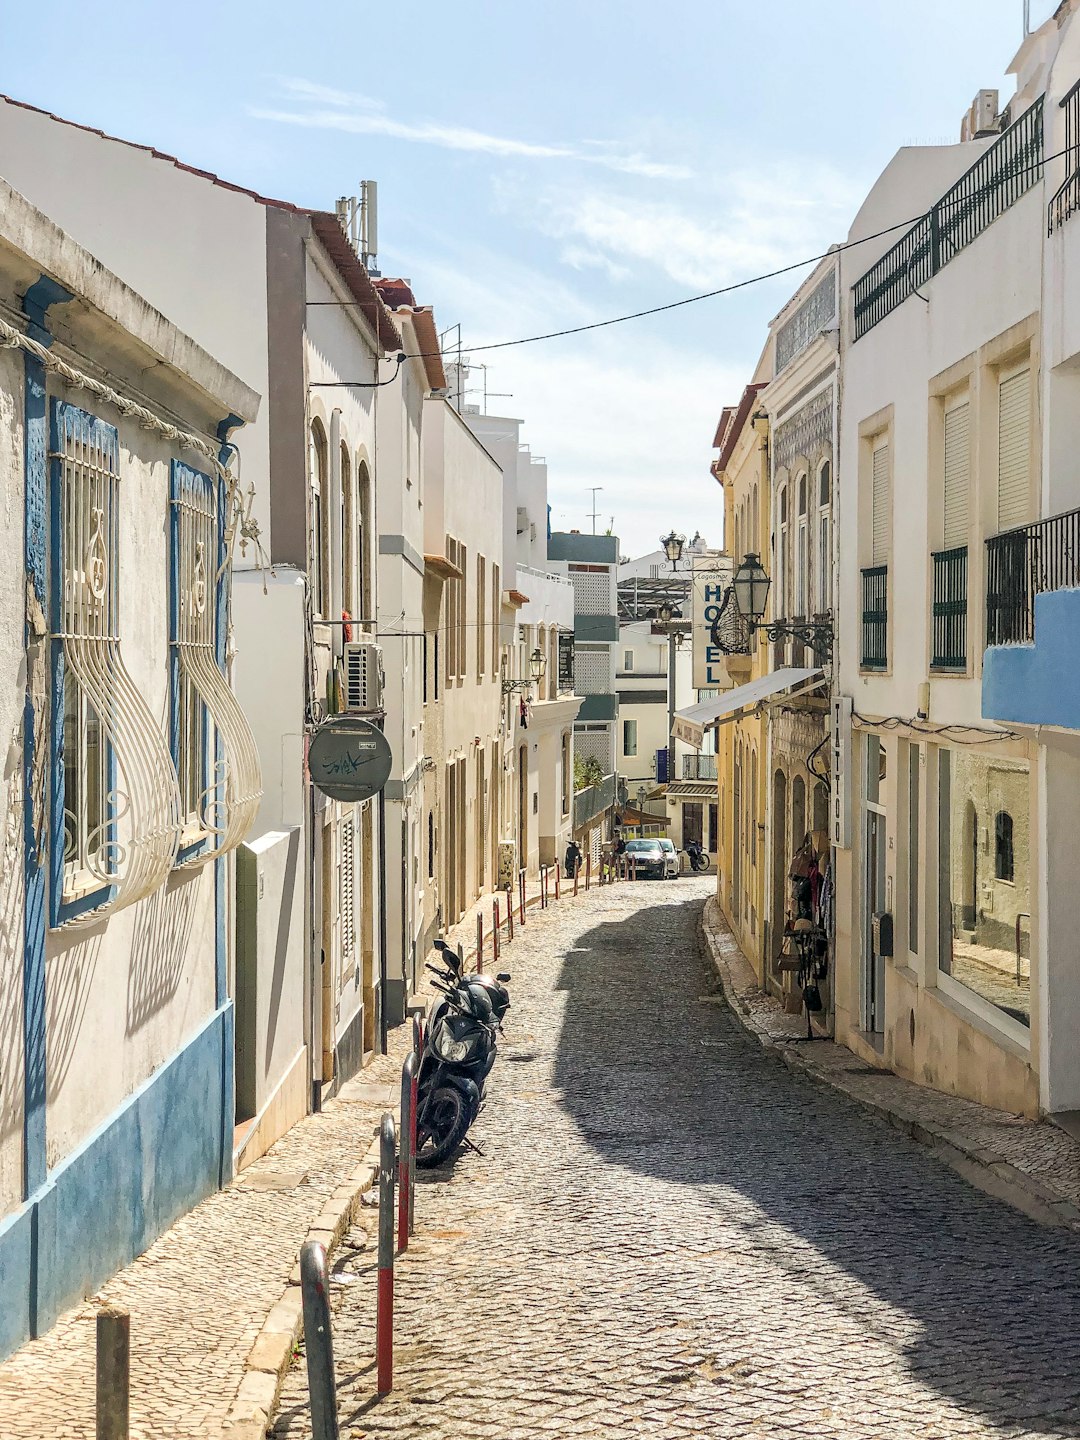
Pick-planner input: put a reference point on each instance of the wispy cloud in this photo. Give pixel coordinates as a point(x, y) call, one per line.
point(322, 108)
point(752, 223)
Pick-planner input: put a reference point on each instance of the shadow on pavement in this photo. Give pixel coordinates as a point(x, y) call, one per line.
point(664, 1085)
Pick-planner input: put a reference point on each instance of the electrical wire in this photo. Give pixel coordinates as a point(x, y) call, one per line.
point(982, 734)
point(1039, 164)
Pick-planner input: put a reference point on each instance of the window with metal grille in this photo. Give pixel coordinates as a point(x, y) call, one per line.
point(592, 592)
point(629, 738)
point(592, 670)
point(347, 897)
point(217, 763)
point(881, 505)
point(1004, 864)
point(1014, 449)
point(957, 482)
point(115, 808)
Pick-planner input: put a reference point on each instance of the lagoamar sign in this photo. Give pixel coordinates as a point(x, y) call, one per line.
point(712, 576)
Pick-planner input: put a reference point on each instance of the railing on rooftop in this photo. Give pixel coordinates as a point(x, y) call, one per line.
point(1066, 198)
point(593, 800)
point(948, 630)
point(1021, 564)
point(1000, 176)
point(875, 619)
point(699, 767)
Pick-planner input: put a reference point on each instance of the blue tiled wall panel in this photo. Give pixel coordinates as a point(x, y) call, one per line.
point(1038, 684)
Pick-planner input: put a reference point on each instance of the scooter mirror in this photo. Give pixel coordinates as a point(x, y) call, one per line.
point(503, 976)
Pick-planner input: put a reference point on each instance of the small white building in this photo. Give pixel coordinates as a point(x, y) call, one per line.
point(131, 773)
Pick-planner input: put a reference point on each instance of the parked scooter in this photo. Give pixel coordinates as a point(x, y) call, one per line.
point(459, 1051)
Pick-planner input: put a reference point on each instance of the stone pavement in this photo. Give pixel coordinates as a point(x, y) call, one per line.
point(1031, 1164)
point(671, 1233)
point(209, 1328)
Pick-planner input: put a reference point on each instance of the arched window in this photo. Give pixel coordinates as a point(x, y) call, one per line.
point(365, 597)
point(824, 539)
point(348, 533)
point(802, 553)
point(1004, 867)
point(317, 565)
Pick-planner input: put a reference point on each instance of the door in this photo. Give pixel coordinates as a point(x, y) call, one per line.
point(523, 807)
point(691, 823)
point(873, 979)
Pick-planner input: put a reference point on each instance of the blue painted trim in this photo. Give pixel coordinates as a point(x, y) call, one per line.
point(182, 476)
point(62, 418)
point(1038, 684)
point(44, 293)
point(34, 872)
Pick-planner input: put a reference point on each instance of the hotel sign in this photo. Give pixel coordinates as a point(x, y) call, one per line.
point(712, 575)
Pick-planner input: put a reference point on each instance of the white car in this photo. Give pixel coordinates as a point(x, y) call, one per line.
point(671, 859)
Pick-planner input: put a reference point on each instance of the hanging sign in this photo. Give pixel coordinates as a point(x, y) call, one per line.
point(712, 576)
point(349, 758)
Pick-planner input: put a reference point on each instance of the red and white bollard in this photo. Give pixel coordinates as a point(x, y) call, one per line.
point(521, 897)
point(495, 934)
point(509, 913)
point(479, 943)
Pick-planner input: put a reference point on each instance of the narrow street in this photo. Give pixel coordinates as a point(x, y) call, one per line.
point(670, 1233)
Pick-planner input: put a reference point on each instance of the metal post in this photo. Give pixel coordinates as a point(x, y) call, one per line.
point(405, 1155)
point(556, 880)
point(543, 878)
point(113, 1373)
point(509, 913)
point(384, 1315)
point(577, 867)
point(588, 870)
point(521, 896)
point(479, 943)
point(318, 1342)
point(495, 934)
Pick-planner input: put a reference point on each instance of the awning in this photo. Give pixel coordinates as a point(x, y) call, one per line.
point(690, 724)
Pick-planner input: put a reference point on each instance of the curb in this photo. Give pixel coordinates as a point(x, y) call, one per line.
point(981, 1167)
point(250, 1414)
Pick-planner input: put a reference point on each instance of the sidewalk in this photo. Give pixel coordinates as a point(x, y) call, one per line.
point(1032, 1165)
point(215, 1301)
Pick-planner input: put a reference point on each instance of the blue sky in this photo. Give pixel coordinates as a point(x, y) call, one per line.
point(546, 165)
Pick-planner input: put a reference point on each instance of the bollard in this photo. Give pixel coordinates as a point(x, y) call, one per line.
point(495, 934)
point(521, 897)
point(384, 1314)
point(588, 870)
point(509, 913)
point(556, 880)
point(479, 943)
point(577, 867)
point(318, 1341)
point(543, 878)
point(113, 1373)
point(461, 957)
point(418, 1041)
point(406, 1157)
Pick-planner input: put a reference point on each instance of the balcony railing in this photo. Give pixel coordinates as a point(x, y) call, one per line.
point(875, 617)
point(699, 767)
point(1066, 198)
point(1021, 564)
point(997, 180)
point(950, 609)
point(593, 801)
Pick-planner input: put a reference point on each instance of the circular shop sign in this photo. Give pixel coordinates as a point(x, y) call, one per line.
point(349, 759)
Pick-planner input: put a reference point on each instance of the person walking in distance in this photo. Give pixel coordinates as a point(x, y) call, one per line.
point(572, 859)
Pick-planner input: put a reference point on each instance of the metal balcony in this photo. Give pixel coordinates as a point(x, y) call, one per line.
point(1023, 563)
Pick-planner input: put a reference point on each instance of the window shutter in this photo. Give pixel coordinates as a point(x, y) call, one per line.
point(957, 472)
point(1014, 446)
point(881, 505)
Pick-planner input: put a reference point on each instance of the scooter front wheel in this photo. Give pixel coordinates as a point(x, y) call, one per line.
point(446, 1119)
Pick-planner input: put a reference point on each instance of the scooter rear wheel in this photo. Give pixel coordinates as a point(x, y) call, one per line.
point(446, 1120)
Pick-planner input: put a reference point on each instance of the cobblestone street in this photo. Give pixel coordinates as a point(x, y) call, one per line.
point(670, 1233)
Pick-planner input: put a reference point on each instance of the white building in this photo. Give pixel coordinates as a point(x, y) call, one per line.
point(131, 775)
point(958, 415)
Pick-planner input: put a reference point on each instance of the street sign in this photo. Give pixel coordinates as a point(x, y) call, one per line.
point(711, 578)
point(349, 758)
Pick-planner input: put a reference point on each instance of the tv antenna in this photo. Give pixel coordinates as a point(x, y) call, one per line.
point(594, 489)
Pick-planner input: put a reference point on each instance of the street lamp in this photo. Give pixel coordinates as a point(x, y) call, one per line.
point(673, 547)
point(751, 587)
point(537, 666)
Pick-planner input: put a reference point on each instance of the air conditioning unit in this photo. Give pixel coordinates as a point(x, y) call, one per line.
point(363, 668)
point(522, 519)
point(983, 117)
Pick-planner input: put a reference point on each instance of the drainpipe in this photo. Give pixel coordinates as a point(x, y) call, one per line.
point(380, 1006)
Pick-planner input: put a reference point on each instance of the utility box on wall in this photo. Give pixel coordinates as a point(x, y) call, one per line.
point(507, 864)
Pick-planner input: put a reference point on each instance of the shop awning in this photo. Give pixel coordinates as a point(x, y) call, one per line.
point(690, 724)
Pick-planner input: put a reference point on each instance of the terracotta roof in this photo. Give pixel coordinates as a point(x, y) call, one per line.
point(440, 565)
point(326, 225)
point(336, 244)
point(721, 429)
point(399, 296)
point(735, 427)
point(515, 598)
point(157, 154)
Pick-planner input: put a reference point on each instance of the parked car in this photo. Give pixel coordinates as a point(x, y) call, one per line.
point(671, 859)
point(647, 858)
